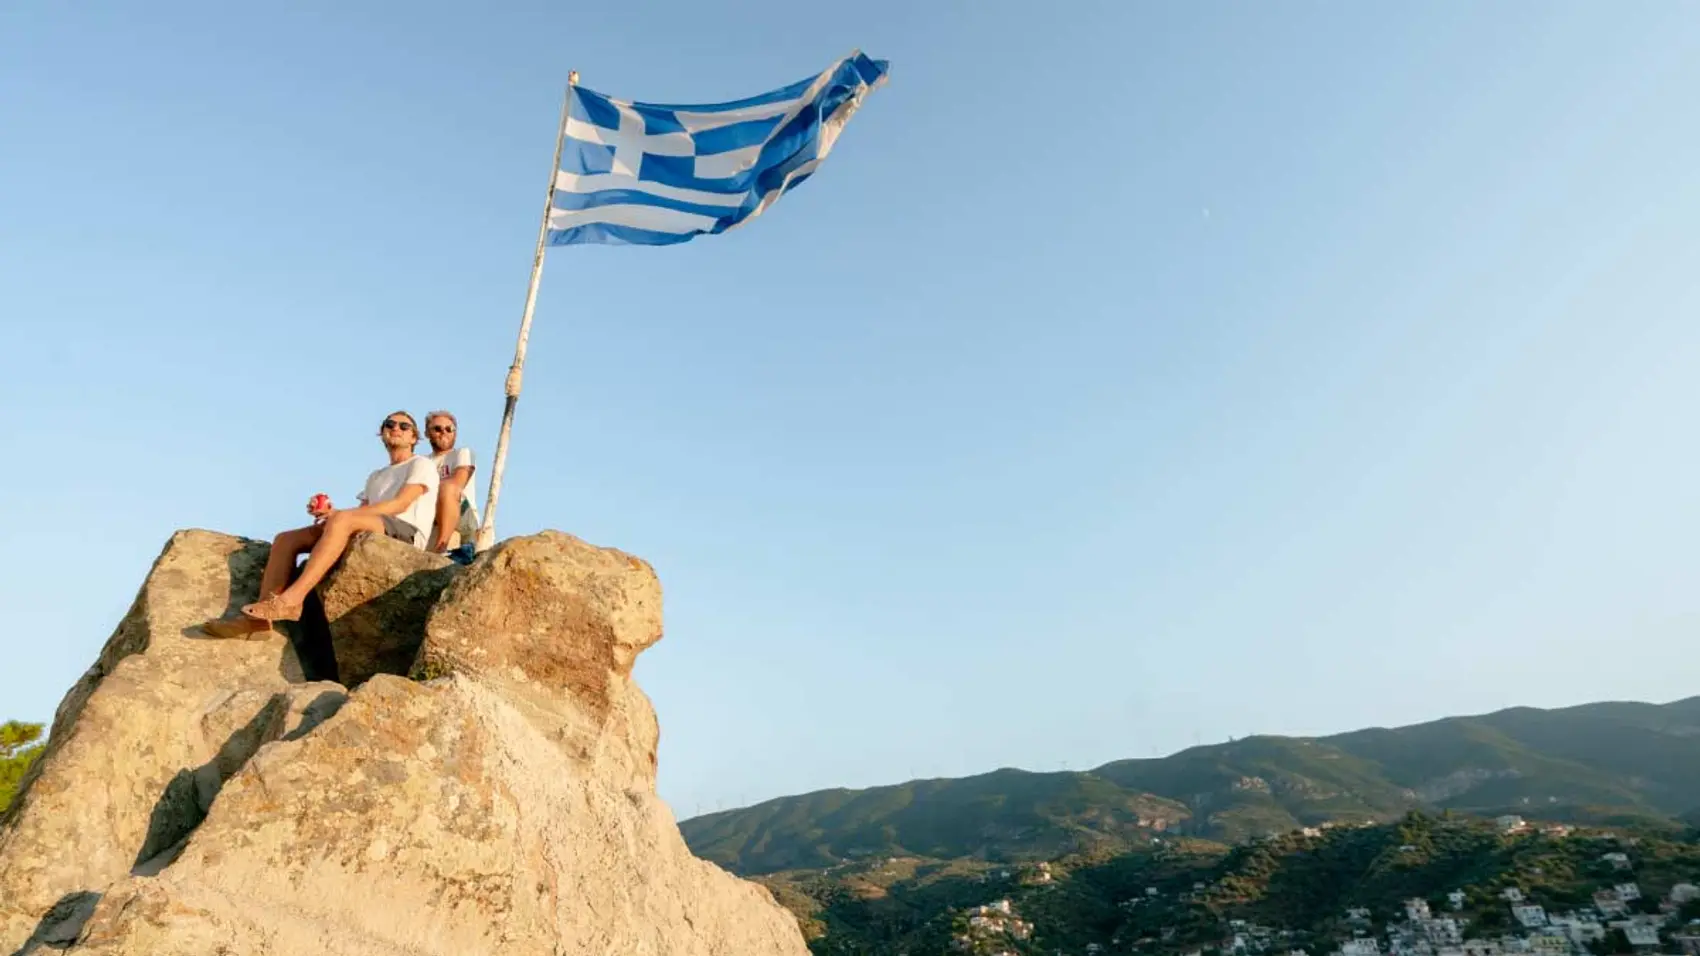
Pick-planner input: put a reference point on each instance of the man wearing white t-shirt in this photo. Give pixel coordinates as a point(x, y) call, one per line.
point(456, 516)
point(398, 501)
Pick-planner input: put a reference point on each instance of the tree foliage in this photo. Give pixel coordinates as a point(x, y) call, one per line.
point(1185, 894)
point(20, 744)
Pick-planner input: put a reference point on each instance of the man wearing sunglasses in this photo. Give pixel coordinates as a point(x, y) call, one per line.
point(399, 501)
point(457, 516)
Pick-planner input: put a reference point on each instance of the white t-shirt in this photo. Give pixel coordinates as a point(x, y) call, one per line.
point(447, 462)
point(387, 482)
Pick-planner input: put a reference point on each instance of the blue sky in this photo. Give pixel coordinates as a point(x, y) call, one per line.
point(1132, 375)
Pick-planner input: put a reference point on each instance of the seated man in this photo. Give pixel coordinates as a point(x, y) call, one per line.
point(457, 516)
point(398, 501)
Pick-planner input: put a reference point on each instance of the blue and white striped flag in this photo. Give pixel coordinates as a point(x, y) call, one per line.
point(648, 174)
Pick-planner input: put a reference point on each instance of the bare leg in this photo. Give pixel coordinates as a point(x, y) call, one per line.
point(333, 540)
point(286, 547)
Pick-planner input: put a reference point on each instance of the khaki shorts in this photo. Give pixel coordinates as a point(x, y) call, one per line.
point(398, 529)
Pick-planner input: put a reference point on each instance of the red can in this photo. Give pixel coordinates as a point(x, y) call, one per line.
point(319, 503)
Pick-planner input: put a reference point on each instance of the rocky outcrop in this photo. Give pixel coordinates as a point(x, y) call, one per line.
point(145, 734)
point(435, 819)
point(555, 625)
point(376, 600)
point(501, 801)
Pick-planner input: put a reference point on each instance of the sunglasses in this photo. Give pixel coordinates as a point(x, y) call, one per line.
point(392, 424)
point(440, 429)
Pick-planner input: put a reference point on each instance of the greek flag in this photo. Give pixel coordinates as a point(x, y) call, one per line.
point(648, 174)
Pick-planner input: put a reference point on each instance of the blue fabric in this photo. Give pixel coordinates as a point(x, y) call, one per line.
point(653, 174)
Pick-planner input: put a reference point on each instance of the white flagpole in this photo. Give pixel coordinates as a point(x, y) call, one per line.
point(487, 531)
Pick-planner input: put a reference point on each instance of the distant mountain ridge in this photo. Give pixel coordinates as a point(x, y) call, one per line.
point(1594, 763)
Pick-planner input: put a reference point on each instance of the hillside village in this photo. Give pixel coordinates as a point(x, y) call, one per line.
point(1422, 932)
point(1569, 892)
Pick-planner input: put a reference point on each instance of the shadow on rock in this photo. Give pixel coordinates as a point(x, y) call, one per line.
point(189, 796)
point(367, 616)
point(376, 601)
point(311, 637)
point(317, 711)
point(62, 924)
point(314, 659)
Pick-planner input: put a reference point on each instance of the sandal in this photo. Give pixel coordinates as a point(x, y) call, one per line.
point(273, 608)
point(237, 628)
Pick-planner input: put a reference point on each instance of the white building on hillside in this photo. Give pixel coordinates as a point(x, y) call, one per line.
point(1580, 930)
point(1608, 903)
point(1443, 932)
point(1362, 946)
point(1641, 935)
point(1532, 917)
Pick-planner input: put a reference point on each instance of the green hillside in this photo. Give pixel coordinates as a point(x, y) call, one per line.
point(1610, 763)
point(1004, 815)
point(1265, 785)
point(1186, 895)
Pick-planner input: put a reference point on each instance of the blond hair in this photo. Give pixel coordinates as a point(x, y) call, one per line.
point(439, 413)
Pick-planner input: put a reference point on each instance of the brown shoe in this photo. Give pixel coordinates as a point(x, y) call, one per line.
point(237, 628)
point(273, 608)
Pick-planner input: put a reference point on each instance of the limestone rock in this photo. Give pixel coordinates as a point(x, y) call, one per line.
point(141, 742)
point(376, 599)
point(435, 820)
point(195, 801)
point(555, 625)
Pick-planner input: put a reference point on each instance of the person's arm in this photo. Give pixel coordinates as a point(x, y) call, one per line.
point(448, 506)
point(421, 479)
point(394, 506)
